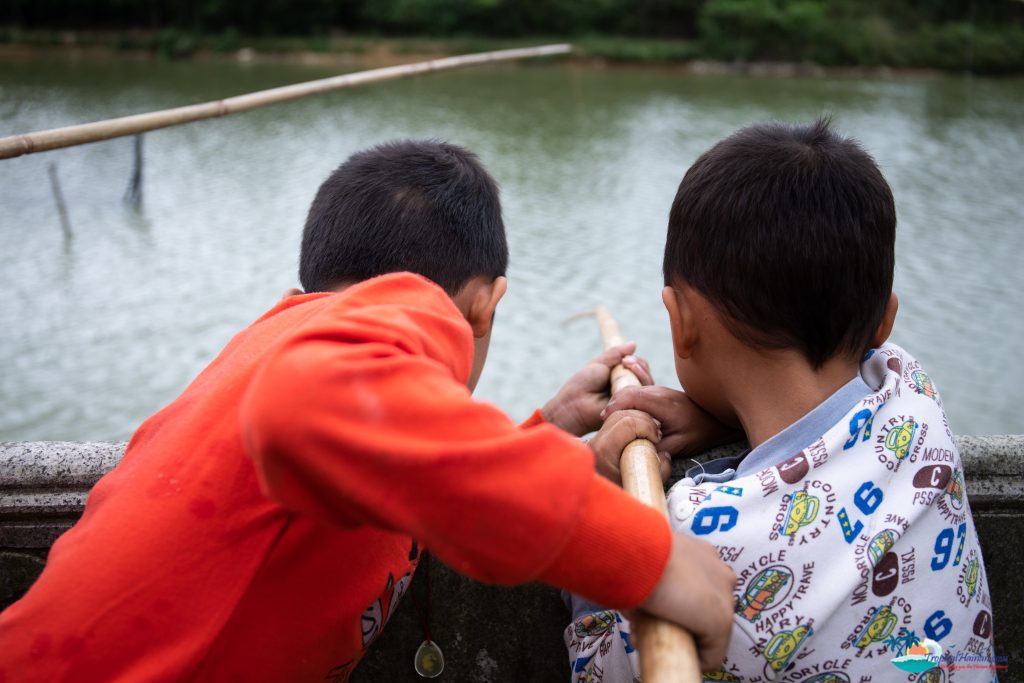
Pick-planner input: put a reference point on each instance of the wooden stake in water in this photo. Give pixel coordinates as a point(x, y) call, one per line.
point(133, 195)
point(58, 197)
point(667, 652)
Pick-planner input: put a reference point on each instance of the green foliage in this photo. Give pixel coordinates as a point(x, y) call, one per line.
point(766, 29)
point(841, 33)
point(738, 29)
point(963, 46)
point(489, 17)
point(441, 17)
point(871, 42)
point(618, 49)
point(229, 40)
point(175, 44)
point(985, 36)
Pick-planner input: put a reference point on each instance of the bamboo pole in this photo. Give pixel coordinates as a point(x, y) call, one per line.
point(667, 651)
point(41, 141)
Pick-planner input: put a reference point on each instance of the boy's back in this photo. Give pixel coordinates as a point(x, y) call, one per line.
point(250, 561)
point(847, 524)
point(855, 547)
point(275, 588)
point(851, 550)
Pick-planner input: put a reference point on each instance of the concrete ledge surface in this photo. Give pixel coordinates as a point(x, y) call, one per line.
point(487, 633)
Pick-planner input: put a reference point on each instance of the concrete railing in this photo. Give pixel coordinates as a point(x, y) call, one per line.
point(487, 633)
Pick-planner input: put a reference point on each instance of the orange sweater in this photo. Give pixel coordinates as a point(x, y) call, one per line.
point(261, 527)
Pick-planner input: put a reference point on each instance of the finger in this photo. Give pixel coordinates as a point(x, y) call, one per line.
point(633, 424)
point(676, 444)
point(712, 654)
point(716, 643)
point(634, 414)
point(713, 649)
point(624, 399)
point(608, 467)
point(664, 465)
point(638, 366)
point(655, 401)
point(614, 355)
point(627, 425)
point(647, 368)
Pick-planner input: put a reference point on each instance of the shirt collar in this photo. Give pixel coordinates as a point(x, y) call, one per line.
point(806, 430)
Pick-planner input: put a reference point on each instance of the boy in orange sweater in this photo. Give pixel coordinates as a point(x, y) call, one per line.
point(263, 526)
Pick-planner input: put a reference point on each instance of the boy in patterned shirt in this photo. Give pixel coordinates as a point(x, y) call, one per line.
point(847, 522)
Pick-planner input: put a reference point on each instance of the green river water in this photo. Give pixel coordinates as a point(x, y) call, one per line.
point(98, 332)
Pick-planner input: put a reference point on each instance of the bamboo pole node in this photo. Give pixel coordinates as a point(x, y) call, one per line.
point(667, 652)
point(56, 138)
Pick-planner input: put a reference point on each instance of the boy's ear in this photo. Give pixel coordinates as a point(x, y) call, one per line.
point(291, 292)
point(681, 320)
point(479, 299)
point(888, 319)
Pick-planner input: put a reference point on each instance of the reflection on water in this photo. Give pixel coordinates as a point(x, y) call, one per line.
point(97, 334)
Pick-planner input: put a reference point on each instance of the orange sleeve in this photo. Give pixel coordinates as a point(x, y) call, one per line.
point(363, 417)
point(536, 418)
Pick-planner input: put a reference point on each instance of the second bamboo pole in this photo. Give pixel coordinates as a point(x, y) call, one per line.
point(667, 651)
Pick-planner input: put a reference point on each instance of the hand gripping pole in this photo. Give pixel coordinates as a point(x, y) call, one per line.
point(667, 651)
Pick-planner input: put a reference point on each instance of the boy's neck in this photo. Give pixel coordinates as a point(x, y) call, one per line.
point(775, 389)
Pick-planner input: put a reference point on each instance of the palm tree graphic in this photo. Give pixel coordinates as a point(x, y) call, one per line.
point(900, 643)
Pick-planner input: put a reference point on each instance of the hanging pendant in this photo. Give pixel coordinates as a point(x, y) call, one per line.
point(429, 662)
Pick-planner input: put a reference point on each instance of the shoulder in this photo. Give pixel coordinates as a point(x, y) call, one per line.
point(402, 310)
point(898, 379)
point(906, 423)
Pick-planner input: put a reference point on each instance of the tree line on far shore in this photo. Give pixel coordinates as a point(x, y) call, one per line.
point(977, 35)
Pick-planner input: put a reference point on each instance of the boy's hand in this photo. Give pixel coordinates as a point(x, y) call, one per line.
point(577, 406)
point(619, 429)
point(687, 428)
point(696, 592)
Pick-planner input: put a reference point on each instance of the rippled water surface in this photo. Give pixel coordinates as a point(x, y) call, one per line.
point(99, 332)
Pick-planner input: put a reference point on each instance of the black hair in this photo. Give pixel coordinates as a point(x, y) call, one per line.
point(789, 231)
point(423, 206)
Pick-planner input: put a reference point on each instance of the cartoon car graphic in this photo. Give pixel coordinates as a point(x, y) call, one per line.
point(934, 675)
point(784, 645)
point(879, 628)
point(717, 676)
point(762, 591)
point(899, 439)
point(923, 383)
point(594, 624)
point(881, 544)
point(829, 677)
point(803, 509)
point(955, 489)
point(971, 577)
